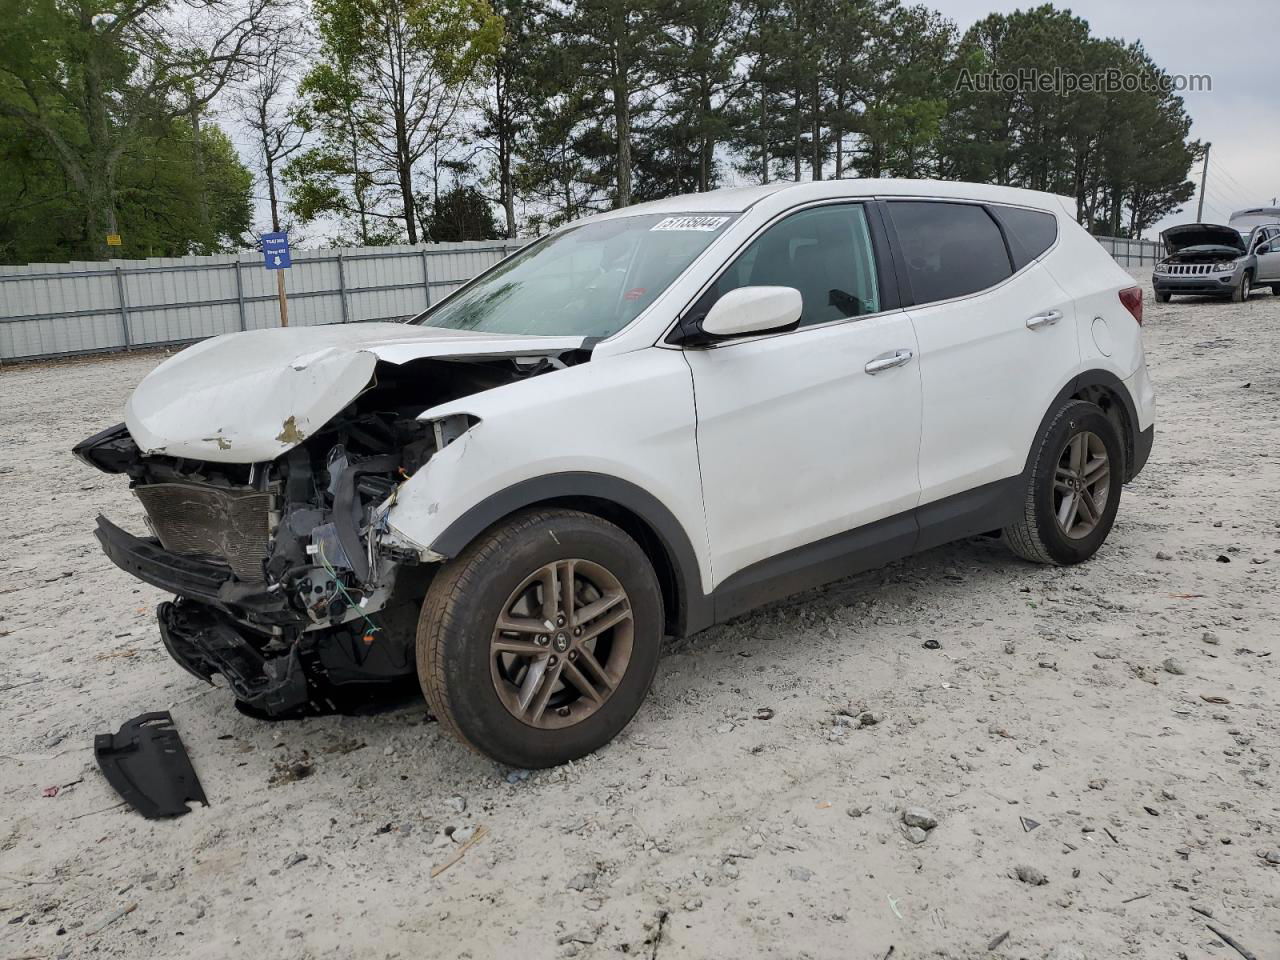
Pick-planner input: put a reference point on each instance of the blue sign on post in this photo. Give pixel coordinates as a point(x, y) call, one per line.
point(275, 251)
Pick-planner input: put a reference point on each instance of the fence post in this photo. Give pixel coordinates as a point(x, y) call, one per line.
point(342, 290)
point(426, 276)
point(124, 308)
point(240, 294)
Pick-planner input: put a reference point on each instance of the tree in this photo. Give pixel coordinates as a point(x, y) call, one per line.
point(263, 102)
point(460, 213)
point(391, 78)
point(611, 48)
point(510, 95)
point(157, 198)
point(93, 77)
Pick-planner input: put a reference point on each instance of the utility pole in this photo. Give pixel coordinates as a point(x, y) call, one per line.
point(1204, 173)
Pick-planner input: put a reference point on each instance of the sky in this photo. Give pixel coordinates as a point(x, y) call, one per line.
point(1233, 41)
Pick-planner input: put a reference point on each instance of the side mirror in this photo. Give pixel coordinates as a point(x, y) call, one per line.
point(1265, 248)
point(744, 312)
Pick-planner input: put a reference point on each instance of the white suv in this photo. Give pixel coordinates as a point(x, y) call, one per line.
point(642, 424)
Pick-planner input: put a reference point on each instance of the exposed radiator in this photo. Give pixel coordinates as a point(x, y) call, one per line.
point(227, 523)
point(1183, 269)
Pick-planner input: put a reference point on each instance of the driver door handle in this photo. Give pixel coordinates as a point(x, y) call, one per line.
point(1046, 319)
point(887, 361)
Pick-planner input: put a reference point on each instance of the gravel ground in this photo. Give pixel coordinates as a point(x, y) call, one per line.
point(1096, 744)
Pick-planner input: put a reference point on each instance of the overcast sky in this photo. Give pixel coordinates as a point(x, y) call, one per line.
point(1233, 41)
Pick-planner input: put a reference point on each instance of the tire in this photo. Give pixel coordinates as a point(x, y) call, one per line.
point(1241, 293)
point(1275, 289)
point(1163, 297)
point(476, 690)
point(1038, 535)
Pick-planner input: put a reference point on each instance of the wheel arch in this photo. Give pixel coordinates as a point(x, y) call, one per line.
point(639, 513)
point(1105, 389)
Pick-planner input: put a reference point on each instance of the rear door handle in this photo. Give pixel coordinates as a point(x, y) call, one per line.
point(887, 361)
point(1046, 319)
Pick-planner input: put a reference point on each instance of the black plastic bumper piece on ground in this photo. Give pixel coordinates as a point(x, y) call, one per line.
point(148, 766)
point(204, 642)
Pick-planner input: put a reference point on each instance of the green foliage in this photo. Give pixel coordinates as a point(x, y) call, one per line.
point(461, 213)
point(388, 86)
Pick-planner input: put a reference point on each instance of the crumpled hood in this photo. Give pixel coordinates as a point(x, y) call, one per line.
point(1180, 238)
point(249, 397)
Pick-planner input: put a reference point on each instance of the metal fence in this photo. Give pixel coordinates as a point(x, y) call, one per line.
point(49, 310)
point(1132, 253)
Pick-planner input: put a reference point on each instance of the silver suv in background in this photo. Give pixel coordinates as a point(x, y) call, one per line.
point(1216, 260)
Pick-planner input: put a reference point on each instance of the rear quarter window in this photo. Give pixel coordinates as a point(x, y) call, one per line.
point(1030, 232)
point(950, 249)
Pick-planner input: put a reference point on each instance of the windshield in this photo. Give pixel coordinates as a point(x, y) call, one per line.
point(588, 281)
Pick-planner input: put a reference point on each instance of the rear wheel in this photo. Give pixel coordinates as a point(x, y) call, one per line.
point(1074, 490)
point(538, 643)
point(1241, 293)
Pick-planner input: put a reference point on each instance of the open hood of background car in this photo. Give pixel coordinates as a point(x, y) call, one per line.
point(249, 397)
point(1177, 239)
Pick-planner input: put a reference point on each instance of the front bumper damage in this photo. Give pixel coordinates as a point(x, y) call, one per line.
point(222, 626)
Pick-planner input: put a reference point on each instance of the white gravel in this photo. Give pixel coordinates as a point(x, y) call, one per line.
point(703, 831)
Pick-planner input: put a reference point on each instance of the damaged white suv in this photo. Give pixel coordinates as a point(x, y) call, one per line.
point(640, 425)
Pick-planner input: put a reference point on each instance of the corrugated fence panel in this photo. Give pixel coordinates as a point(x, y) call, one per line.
point(47, 309)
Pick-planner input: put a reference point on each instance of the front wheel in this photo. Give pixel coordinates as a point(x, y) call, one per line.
point(1073, 492)
point(1241, 293)
point(538, 643)
point(1162, 297)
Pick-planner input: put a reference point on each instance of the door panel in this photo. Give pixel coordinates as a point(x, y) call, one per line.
point(988, 378)
point(1269, 263)
point(797, 442)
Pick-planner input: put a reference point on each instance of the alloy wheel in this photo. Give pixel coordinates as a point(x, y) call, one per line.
point(562, 644)
point(1081, 485)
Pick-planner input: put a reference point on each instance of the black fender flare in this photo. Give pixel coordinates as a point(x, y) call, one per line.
point(1093, 378)
point(693, 608)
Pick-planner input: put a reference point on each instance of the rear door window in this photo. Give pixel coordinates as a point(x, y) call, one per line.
point(1029, 232)
point(950, 249)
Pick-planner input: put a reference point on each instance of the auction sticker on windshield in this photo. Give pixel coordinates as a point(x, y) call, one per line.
point(704, 224)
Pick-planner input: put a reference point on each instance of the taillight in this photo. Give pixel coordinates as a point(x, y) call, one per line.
point(1131, 297)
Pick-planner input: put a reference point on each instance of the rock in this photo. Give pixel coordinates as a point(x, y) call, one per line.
point(1272, 856)
point(1097, 783)
point(869, 719)
point(456, 804)
point(406, 829)
point(729, 869)
point(1173, 666)
point(803, 874)
point(583, 881)
point(1167, 794)
point(517, 776)
point(1009, 646)
point(725, 728)
point(919, 817)
point(1030, 875)
point(755, 841)
point(1210, 637)
point(463, 834)
point(1161, 555)
point(694, 904)
point(915, 835)
point(295, 859)
point(854, 811)
point(1066, 951)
